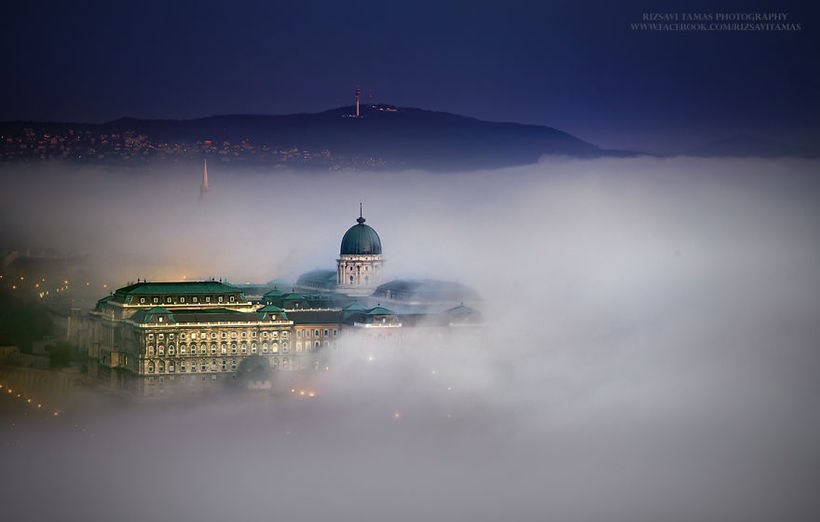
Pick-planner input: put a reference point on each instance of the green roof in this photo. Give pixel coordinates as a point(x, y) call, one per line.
point(361, 239)
point(274, 293)
point(270, 308)
point(178, 287)
point(380, 310)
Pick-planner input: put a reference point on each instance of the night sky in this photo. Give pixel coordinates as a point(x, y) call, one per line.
point(574, 65)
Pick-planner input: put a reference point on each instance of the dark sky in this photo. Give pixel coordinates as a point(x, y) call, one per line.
point(573, 65)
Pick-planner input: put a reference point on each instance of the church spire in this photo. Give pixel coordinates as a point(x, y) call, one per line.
point(204, 189)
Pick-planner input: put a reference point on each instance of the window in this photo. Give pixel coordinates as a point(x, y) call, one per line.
point(244, 335)
point(150, 350)
point(275, 334)
point(299, 347)
point(150, 336)
point(182, 367)
point(233, 348)
point(161, 336)
point(264, 335)
point(298, 333)
point(224, 348)
point(150, 367)
point(213, 335)
point(307, 333)
point(219, 299)
point(207, 299)
point(325, 333)
point(253, 334)
point(193, 335)
point(196, 299)
point(193, 366)
point(170, 349)
point(181, 299)
point(170, 336)
point(275, 347)
point(167, 299)
point(142, 299)
point(285, 335)
point(316, 333)
point(171, 367)
point(244, 348)
point(161, 350)
point(224, 335)
point(335, 332)
point(203, 350)
point(213, 348)
point(233, 299)
point(182, 336)
point(316, 344)
point(156, 300)
point(204, 366)
point(233, 335)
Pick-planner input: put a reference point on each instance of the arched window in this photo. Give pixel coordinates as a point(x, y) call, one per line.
point(150, 349)
point(213, 348)
point(223, 349)
point(351, 282)
point(275, 347)
point(161, 350)
point(170, 349)
point(161, 367)
point(150, 367)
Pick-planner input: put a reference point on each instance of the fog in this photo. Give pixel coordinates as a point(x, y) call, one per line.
point(650, 349)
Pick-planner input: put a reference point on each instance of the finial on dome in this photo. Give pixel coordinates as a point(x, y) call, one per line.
point(361, 219)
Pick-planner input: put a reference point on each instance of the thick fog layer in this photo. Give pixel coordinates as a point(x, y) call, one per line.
point(650, 349)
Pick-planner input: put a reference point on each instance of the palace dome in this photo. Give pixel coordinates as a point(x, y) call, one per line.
point(361, 239)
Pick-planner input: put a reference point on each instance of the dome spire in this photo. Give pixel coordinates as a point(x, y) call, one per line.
point(361, 220)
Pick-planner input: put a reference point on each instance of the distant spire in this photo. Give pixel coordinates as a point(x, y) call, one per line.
point(204, 189)
point(361, 219)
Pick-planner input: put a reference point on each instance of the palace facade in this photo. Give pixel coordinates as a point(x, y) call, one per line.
point(153, 329)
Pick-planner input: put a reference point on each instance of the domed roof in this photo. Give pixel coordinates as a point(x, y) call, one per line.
point(361, 239)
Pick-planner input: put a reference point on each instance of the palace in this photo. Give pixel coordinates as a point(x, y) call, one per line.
point(184, 328)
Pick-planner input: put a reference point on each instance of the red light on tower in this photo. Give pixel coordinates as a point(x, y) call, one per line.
point(358, 92)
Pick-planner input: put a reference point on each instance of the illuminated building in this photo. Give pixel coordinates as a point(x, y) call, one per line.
point(200, 328)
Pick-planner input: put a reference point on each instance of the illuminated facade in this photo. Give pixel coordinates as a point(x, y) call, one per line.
point(159, 329)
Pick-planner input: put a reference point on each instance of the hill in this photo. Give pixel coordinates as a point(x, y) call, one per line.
point(383, 136)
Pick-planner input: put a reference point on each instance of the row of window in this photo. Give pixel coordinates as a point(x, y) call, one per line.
point(202, 366)
point(223, 348)
point(316, 333)
point(224, 335)
point(183, 300)
point(243, 349)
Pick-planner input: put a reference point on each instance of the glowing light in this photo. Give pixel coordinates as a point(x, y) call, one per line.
point(396, 415)
point(370, 358)
point(28, 400)
point(56, 413)
point(449, 388)
point(311, 394)
point(302, 392)
point(22, 278)
point(65, 282)
point(39, 405)
point(105, 286)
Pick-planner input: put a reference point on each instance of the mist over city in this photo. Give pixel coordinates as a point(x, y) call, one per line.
point(650, 344)
point(410, 261)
